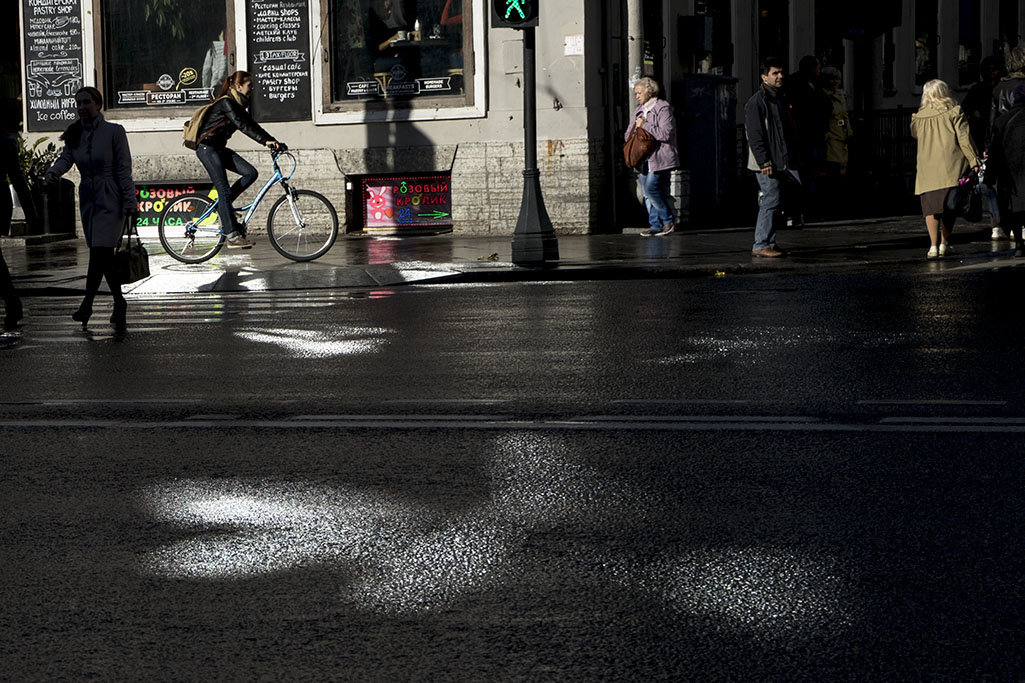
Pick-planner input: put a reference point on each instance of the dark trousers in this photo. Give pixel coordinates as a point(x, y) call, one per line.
point(6, 209)
point(101, 265)
point(217, 162)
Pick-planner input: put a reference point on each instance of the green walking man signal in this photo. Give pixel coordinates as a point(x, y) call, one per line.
point(514, 13)
point(514, 5)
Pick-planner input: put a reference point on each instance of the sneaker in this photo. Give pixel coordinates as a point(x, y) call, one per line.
point(998, 234)
point(666, 229)
point(649, 232)
point(238, 241)
point(933, 252)
point(945, 249)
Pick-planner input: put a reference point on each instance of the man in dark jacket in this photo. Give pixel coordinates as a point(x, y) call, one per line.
point(10, 169)
point(770, 136)
point(977, 106)
point(812, 110)
point(1006, 163)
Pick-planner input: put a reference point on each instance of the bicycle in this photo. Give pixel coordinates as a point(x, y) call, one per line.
point(302, 224)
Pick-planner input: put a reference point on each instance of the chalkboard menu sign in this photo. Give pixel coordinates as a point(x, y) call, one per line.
point(53, 62)
point(279, 59)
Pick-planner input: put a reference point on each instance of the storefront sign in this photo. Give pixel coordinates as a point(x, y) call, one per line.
point(395, 87)
point(279, 40)
point(53, 62)
point(153, 197)
point(403, 201)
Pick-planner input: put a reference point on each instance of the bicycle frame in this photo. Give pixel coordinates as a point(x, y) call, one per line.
point(250, 209)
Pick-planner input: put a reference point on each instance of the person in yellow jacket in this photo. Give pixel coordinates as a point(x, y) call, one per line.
point(945, 153)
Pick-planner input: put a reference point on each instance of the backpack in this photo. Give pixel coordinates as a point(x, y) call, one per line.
point(192, 126)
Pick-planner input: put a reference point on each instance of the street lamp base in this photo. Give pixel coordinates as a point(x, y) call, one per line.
point(534, 240)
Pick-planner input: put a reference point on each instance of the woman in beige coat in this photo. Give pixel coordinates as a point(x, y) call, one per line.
point(945, 153)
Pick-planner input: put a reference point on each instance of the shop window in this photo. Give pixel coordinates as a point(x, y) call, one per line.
point(926, 25)
point(160, 54)
point(720, 60)
point(969, 49)
point(889, 60)
point(1008, 26)
point(774, 29)
point(387, 53)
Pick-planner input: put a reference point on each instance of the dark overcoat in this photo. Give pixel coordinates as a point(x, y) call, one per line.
point(106, 192)
point(1006, 162)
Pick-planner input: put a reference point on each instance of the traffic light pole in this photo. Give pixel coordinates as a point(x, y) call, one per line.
point(534, 240)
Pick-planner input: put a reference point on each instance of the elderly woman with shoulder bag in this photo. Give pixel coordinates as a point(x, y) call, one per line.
point(656, 117)
point(945, 153)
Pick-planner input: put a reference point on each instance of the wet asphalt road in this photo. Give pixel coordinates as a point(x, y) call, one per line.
point(800, 477)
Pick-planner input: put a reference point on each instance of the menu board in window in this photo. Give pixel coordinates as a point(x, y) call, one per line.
point(53, 62)
point(279, 59)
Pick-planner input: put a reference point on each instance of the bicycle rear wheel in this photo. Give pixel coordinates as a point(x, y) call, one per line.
point(303, 230)
point(188, 230)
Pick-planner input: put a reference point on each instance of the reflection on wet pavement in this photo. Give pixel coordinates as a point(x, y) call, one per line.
point(404, 557)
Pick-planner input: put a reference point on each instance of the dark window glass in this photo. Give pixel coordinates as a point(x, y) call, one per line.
point(925, 41)
point(969, 42)
point(774, 30)
point(402, 49)
point(159, 53)
point(1008, 28)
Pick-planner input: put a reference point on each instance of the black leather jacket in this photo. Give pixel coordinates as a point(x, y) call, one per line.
point(1002, 97)
point(221, 121)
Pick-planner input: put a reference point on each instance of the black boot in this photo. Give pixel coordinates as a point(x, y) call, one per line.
point(13, 313)
point(119, 318)
point(83, 313)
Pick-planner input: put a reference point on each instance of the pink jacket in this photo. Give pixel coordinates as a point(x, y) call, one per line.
point(661, 123)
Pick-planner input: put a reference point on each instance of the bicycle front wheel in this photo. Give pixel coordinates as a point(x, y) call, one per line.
point(302, 225)
point(189, 230)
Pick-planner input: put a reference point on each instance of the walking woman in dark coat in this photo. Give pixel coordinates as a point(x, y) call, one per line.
point(107, 195)
point(10, 169)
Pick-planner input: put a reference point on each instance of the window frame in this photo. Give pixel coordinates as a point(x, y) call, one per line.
point(150, 119)
point(326, 112)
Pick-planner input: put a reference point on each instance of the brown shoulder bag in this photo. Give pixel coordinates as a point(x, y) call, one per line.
point(638, 147)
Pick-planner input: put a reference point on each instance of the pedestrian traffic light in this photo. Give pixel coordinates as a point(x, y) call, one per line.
point(514, 13)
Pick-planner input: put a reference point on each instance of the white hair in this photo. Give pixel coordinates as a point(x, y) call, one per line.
point(648, 84)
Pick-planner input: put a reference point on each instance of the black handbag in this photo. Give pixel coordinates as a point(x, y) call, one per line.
point(965, 199)
point(131, 261)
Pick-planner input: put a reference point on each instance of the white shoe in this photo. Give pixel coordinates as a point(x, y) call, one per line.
point(933, 252)
point(945, 249)
point(998, 234)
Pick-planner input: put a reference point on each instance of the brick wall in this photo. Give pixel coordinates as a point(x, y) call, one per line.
point(487, 179)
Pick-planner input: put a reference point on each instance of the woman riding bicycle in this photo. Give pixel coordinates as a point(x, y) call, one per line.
point(230, 112)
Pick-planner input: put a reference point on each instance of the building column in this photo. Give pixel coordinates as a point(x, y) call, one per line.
point(634, 44)
point(744, 31)
point(802, 30)
point(989, 26)
point(904, 54)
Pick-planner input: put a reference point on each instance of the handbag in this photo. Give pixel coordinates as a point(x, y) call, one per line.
point(638, 147)
point(131, 263)
point(965, 199)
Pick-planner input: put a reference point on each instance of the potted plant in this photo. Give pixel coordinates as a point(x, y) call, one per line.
point(55, 204)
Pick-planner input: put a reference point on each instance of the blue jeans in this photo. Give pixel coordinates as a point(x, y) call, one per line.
point(990, 195)
point(655, 185)
point(216, 162)
point(769, 208)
